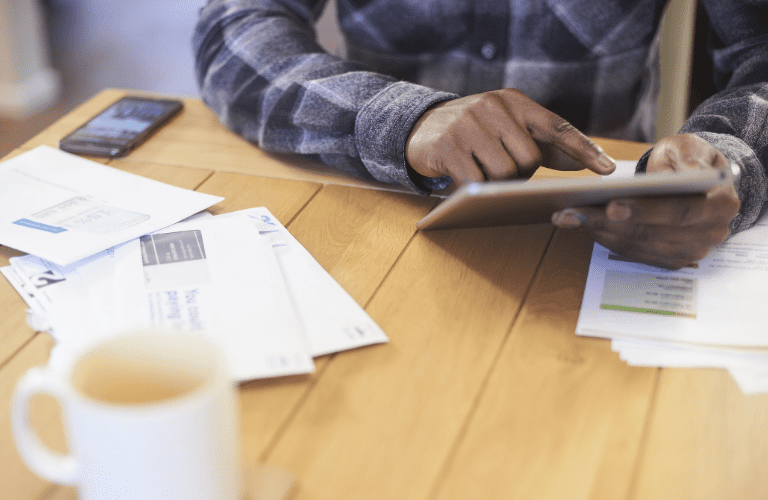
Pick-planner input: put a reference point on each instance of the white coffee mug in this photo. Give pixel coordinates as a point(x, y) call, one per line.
point(147, 416)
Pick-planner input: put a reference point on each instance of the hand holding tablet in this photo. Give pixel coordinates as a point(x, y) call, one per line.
point(668, 231)
point(481, 204)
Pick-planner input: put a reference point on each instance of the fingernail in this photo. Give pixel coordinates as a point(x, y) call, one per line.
point(568, 218)
point(618, 211)
point(606, 162)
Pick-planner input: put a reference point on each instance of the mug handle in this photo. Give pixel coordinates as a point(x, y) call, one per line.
point(45, 463)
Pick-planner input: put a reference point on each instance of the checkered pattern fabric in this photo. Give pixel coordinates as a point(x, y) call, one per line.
point(593, 62)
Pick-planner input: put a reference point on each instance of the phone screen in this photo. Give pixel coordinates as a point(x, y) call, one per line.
point(120, 127)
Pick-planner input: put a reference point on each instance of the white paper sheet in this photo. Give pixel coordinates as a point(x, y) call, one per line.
point(332, 320)
point(624, 169)
point(710, 314)
point(75, 303)
point(36, 315)
point(64, 208)
point(750, 381)
point(215, 277)
point(658, 353)
point(721, 301)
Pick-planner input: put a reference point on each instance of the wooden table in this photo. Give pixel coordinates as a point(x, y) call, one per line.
point(484, 390)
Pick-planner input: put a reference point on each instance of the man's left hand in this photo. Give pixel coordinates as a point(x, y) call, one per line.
point(669, 232)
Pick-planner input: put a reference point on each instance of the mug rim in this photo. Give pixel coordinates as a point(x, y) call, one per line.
point(155, 338)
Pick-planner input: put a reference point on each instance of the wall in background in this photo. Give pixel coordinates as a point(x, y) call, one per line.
point(137, 44)
point(140, 44)
point(28, 84)
point(89, 45)
point(677, 32)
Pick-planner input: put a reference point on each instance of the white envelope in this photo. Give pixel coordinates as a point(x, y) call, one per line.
point(74, 303)
point(37, 317)
point(64, 208)
point(332, 320)
point(214, 277)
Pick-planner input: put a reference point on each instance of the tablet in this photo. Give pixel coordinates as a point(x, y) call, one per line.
point(502, 203)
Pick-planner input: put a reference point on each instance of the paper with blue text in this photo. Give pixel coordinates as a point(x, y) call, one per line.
point(64, 208)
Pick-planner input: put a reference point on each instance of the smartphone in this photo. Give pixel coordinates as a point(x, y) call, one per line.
point(501, 203)
point(121, 127)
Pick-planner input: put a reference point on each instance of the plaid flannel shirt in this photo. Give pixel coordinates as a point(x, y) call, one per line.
point(593, 62)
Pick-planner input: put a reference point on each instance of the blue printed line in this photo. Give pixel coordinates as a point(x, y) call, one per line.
point(39, 226)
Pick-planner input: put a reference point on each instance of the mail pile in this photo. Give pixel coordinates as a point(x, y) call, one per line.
point(240, 278)
point(711, 314)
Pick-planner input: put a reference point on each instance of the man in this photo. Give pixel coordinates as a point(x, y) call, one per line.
point(441, 90)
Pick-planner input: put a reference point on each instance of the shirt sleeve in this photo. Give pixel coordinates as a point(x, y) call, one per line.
point(260, 69)
point(734, 120)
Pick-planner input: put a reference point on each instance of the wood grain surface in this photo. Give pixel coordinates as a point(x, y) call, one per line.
point(484, 390)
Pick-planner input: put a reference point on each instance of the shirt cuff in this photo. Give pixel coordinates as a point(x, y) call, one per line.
point(753, 184)
point(382, 128)
point(642, 163)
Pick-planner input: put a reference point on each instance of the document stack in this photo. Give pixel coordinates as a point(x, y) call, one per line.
point(110, 252)
point(711, 314)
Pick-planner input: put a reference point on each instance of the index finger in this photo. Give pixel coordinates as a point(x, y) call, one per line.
point(548, 127)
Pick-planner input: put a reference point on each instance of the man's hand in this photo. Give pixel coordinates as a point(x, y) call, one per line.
point(498, 135)
point(665, 232)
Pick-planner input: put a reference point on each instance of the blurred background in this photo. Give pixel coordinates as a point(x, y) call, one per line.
point(54, 54)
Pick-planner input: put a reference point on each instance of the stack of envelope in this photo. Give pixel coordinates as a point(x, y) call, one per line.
point(240, 278)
